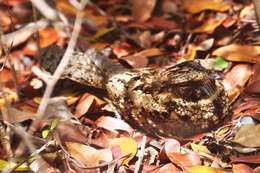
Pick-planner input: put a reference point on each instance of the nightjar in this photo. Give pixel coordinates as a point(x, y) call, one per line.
point(173, 101)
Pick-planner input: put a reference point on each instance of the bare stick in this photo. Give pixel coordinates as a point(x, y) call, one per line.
point(45, 9)
point(139, 162)
point(57, 74)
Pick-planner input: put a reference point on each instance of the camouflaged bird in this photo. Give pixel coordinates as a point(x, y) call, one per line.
point(173, 101)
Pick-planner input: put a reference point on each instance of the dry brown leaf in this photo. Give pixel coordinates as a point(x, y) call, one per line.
point(122, 49)
point(201, 5)
point(136, 61)
point(248, 135)
point(206, 44)
point(106, 121)
point(88, 155)
point(151, 52)
point(167, 168)
point(48, 36)
point(122, 147)
point(170, 146)
point(211, 23)
point(242, 168)
point(235, 80)
point(90, 13)
point(30, 48)
point(156, 23)
point(67, 131)
point(185, 160)
point(254, 82)
point(85, 104)
point(142, 9)
point(14, 2)
point(236, 52)
point(205, 169)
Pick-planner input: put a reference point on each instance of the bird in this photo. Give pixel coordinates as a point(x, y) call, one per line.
point(179, 100)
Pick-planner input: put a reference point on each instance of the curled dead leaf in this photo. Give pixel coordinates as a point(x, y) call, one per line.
point(211, 23)
point(235, 80)
point(106, 121)
point(238, 53)
point(201, 5)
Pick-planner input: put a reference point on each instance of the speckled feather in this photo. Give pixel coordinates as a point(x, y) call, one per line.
point(173, 101)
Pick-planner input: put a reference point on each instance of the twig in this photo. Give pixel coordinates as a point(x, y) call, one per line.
point(37, 152)
point(45, 9)
point(140, 159)
point(44, 76)
point(63, 63)
point(36, 34)
point(21, 35)
point(13, 72)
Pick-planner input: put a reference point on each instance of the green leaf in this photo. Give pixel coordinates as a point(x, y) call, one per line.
point(102, 32)
point(54, 123)
point(4, 163)
point(45, 133)
point(220, 64)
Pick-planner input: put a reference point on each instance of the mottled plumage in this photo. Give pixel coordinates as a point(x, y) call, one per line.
point(172, 101)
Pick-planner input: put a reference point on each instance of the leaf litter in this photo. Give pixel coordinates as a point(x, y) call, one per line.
point(141, 34)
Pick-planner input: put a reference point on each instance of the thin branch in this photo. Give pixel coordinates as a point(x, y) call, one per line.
point(44, 76)
point(139, 162)
point(45, 9)
point(57, 74)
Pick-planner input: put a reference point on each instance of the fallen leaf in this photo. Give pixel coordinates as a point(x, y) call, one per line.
point(238, 53)
point(254, 82)
point(90, 13)
point(150, 52)
point(48, 36)
point(87, 155)
point(122, 49)
point(4, 164)
point(167, 168)
point(206, 44)
point(248, 135)
point(219, 64)
point(205, 169)
point(235, 80)
point(86, 102)
point(170, 146)
point(136, 61)
point(242, 168)
point(142, 9)
point(14, 2)
point(106, 121)
point(185, 160)
point(201, 5)
point(211, 23)
point(155, 23)
point(126, 146)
